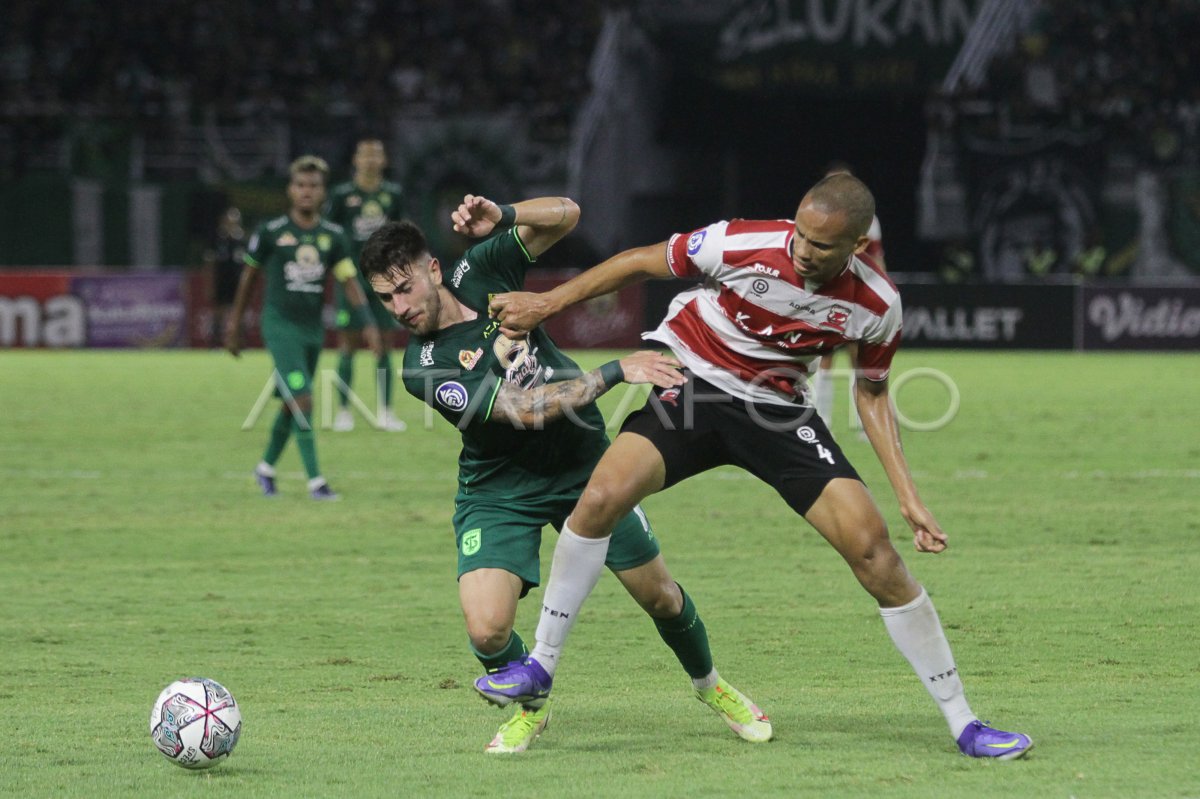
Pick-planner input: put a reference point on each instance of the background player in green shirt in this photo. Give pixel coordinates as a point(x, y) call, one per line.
point(297, 252)
point(361, 206)
point(531, 433)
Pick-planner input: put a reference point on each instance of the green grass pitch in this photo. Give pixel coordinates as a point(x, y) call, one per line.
point(134, 550)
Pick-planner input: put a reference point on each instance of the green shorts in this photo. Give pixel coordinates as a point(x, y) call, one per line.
point(295, 362)
point(504, 535)
point(349, 318)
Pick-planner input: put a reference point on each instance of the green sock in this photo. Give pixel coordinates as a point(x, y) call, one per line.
point(305, 440)
point(688, 639)
point(383, 373)
point(515, 649)
point(345, 373)
point(280, 430)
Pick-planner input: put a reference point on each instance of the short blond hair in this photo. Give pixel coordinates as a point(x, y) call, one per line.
point(310, 163)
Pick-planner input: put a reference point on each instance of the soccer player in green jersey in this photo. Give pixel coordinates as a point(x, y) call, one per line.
point(296, 252)
point(531, 433)
point(361, 206)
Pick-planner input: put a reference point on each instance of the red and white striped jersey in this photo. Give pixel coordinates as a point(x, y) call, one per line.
point(756, 328)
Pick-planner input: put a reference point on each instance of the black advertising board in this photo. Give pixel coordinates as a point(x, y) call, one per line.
point(992, 316)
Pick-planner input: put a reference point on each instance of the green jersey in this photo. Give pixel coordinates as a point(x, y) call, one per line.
point(297, 262)
point(458, 371)
point(361, 212)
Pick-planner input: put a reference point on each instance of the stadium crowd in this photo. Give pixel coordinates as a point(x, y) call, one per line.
point(1125, 67)
point(154, 63)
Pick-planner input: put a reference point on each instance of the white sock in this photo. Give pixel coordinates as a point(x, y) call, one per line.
point(316, 483)
point(704, 683)
point(265, 469)
point(574, 572)
point(917, 633)
point(823, 396)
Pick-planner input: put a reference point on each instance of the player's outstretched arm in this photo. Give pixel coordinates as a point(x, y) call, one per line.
point(522, 311)
point(879, 423)
point(534, 407)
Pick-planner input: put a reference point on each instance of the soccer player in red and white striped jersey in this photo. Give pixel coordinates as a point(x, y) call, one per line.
point(822, 383)
point(777, 295)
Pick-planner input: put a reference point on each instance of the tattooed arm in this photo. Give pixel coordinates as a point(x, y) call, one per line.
point(534, 407)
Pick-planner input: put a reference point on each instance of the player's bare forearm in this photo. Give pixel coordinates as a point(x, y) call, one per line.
point(879, 423)
point(358, 300)
point(354, 293)
point(540, 222)
point(241, 298)
point(535, 407)
point(520, 312)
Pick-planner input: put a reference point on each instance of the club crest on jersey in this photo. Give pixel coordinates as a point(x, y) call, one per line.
point(453, 395)
point(838, 316)
point(695, 241)
point(468, 359)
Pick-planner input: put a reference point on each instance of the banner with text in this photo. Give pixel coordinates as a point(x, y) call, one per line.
point(1000, 316)
point(1138, 318)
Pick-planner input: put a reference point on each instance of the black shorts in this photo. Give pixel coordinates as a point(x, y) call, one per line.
point(698, 426)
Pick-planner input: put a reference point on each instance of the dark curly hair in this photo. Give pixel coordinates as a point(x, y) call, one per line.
point(395, 247)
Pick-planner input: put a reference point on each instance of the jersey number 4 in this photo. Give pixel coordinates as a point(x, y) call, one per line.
point(824, 454)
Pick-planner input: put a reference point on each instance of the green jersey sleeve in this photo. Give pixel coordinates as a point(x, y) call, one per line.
point(504, 258)
point(258, 249)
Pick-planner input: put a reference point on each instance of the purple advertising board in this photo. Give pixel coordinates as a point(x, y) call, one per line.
point(1140, 318)
point(133, 310)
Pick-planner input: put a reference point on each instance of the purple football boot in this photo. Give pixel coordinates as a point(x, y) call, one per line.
point(266, 482)
point(521, 681)
point(980, 740)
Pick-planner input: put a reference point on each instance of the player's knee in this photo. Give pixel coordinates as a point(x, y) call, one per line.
point(869, 547)
point(662, 599)
point(488, 635)
point(600, 505)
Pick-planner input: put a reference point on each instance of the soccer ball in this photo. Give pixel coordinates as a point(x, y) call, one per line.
point(195, 723)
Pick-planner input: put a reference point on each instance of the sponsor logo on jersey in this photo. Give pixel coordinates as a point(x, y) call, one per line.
point(519, 361)
point(671, 395)
point(838, 316)
point(695, 241)
point(760, 286)
point(286, 240)
point(460, 269)
point(427, 354)
point(306, 272)
point(453, 395)
point(806, 434)
point(468, 359)
point(763, 269)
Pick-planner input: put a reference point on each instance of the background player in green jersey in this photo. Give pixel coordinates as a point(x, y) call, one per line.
point(297, 252)
point(361, 206)
point(531, 433)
